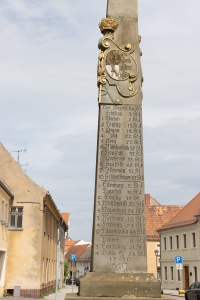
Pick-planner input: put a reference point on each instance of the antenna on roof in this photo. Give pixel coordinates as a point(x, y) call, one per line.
point(24, 165)
point(18, 154)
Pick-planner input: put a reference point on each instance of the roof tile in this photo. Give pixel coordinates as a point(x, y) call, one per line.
point(186, 216)
point(157, 216)
point(76, 249)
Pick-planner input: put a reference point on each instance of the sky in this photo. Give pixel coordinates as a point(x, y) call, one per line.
point(48, 98)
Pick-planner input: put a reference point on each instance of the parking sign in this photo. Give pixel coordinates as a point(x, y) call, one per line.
point(73, 257)
point(178, 259)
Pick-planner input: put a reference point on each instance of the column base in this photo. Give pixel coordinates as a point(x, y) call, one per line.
point(122, 285)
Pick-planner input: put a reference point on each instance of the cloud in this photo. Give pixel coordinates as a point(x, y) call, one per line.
point(48, 97)
point(70, 178)
point(171, 156)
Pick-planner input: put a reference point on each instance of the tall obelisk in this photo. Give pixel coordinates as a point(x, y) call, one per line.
point(119, 259)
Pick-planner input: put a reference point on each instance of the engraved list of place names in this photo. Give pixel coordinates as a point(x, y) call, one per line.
point(120, 209)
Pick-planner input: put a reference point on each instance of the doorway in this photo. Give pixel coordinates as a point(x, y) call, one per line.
point(186, 275)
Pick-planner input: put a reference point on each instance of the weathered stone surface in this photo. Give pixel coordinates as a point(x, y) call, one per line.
point(125, 12)
point(71, 297)
point(119, 236)
point(119, 285)
point(125, 8)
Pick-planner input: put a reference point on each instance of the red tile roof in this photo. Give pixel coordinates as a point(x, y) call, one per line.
point(76, 249)
point(157, 216)
point(66, 217)
point(149, 200)
point(187, 215)
point(69, 243)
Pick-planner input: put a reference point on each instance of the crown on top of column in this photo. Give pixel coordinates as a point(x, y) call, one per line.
point(108, 24)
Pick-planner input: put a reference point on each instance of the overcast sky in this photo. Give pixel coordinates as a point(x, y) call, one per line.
point(48, 98)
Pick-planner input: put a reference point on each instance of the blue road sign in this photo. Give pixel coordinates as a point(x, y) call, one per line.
point(178, 259)
point(73, 257)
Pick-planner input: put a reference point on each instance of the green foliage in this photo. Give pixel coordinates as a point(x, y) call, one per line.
point(65, 268)
point(53, 290)
point(5, 294)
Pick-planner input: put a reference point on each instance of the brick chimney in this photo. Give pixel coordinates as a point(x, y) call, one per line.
point(147, 199)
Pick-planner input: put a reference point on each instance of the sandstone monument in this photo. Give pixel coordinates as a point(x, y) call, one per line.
point(119, 262)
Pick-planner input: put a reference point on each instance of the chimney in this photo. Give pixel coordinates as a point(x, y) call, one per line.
point(147, 199)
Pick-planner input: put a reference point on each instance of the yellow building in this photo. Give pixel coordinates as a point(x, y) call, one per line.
point(33, 233)
point(156, 216)
point(6, 198)
point(181, 237)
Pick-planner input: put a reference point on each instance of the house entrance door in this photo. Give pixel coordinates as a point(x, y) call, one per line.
point(186, 275)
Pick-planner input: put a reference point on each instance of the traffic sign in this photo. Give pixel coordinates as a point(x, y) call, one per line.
point(178, 259)
point(179, 266)
point(73, 257)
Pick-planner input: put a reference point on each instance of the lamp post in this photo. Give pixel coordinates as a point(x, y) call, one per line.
point(156, 254)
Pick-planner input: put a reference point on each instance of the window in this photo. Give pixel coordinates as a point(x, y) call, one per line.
point(172, 273)
point(170, 243)
point(179, 275)
point(6, 212)
point(195, 274)
point(184, 241)
point(165, 243)
point(193, 240)
point(16, 214)
point(177, 241)
point(2, 211)
point(165, 273)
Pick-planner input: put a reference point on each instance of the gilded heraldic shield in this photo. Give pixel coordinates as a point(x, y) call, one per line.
point(118, 65)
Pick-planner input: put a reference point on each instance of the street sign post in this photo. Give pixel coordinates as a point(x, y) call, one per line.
point(179, 265)
point(73, 258)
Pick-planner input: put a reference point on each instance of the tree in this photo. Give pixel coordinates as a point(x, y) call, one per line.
point(65, 268)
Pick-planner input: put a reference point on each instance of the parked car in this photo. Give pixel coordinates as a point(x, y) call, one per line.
point(193, 292)
point(77, 280)
point(69, 280)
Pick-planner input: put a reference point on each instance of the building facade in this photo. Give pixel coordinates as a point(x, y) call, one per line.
point(6, 198)
point(181, 237)
point(82, 263)
point(156, 216)
point(32, 233)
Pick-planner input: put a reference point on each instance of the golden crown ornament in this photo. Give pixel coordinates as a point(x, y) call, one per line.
point(108, 24)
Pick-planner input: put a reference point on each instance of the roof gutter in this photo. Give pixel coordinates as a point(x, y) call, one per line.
point(6, 189)
point(61, 218)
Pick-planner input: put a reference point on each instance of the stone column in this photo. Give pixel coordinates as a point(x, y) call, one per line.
point(119, 259)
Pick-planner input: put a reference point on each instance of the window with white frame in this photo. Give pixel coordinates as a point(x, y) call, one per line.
point(184, 241)
point(2, 210)
point(16, 214)
point(6, 213)
point(171, 273)
point(179, 275)
point(193, 240)
point(177, 241)
point(195, 273)
point(165, 243)
point(170, 243)
point(165, 273)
